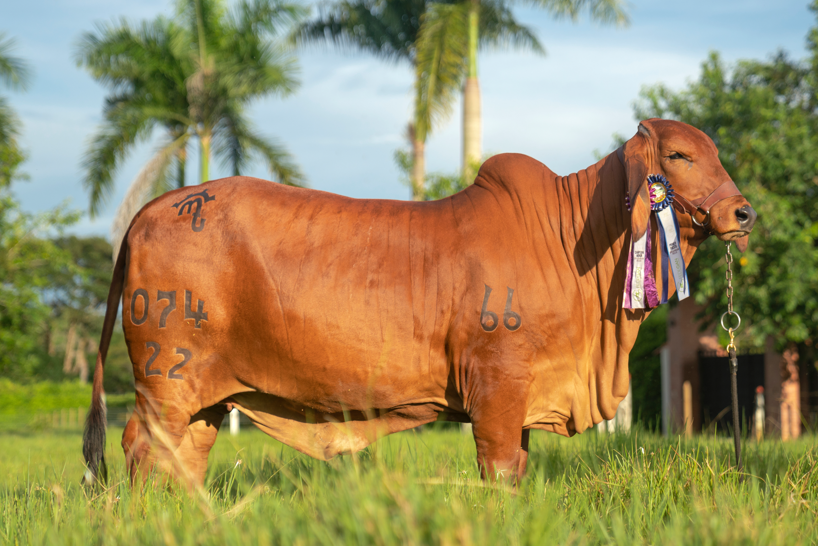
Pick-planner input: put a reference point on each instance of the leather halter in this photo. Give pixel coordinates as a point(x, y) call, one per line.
point(704, 204)
point(700, 206)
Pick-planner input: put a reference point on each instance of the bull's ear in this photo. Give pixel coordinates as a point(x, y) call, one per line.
point(635, 161)
point(742, 242)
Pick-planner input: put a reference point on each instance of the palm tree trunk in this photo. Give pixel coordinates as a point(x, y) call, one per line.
point(82, 360)
point(471, 98)
point(205, 145)
point(181, 156)
point(418, 169)
point(70, 349)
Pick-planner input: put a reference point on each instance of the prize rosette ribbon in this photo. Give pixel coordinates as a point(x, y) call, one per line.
point(640, 283)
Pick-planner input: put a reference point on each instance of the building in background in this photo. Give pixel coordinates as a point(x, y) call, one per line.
point(696, 382)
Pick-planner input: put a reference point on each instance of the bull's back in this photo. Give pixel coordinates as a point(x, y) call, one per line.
point(306, 295)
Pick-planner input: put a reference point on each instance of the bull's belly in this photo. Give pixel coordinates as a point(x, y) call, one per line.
point(333, 389)
point(324, 435)
point(340, 393)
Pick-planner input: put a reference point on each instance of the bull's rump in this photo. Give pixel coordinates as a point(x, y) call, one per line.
point(320, 300)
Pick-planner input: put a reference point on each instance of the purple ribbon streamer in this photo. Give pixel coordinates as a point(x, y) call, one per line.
point(651, 294)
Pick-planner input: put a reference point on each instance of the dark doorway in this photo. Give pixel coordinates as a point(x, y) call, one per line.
point(714, 374)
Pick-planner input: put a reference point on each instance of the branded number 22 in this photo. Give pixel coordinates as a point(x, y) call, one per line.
point(489, 320)
point(184, 353)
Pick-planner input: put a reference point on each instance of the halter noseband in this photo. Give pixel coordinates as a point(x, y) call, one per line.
point(703, 205)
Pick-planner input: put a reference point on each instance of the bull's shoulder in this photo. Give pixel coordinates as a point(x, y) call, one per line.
point(517, 170)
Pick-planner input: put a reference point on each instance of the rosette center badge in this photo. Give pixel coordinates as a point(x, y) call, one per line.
point(661, 192)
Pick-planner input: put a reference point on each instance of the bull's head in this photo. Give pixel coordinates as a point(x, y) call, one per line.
point(689, 160)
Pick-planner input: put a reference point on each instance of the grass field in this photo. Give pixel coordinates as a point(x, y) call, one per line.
point(421, 488)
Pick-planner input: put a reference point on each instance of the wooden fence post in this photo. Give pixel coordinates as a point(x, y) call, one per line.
point(687, 396)
point(234, 422)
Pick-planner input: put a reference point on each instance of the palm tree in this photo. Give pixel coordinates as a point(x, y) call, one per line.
point(389, 29)
point(193, 77)
point(386, 29)
point(15, 74)
point(461, 27)
point(444, 60)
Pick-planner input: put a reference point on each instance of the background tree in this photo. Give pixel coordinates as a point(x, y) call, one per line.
point(15, 74)
point(450, 33)
point(454, 33)
point(77, 297)
point(28, 260)
point(52, 293)
point(192, 76)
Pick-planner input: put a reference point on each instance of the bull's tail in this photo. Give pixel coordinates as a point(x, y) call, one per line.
point(93, 440)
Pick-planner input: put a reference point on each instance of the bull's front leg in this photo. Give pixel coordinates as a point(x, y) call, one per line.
point(497, 406)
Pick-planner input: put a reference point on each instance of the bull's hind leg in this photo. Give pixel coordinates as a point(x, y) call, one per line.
point(523, 454)
point(155, 432)
point(187, 462)
point(193, 452)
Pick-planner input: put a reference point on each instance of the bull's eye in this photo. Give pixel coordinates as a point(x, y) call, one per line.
point(675, 155)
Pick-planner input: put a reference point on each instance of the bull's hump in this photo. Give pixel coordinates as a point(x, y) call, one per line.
point(514, 169)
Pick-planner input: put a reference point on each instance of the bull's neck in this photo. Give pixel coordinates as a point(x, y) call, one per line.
point(597, 224)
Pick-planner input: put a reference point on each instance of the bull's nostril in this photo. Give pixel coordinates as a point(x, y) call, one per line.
point(746, 217)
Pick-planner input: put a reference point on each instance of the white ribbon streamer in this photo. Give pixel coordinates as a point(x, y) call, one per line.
point(677, 264)
point(639, 249)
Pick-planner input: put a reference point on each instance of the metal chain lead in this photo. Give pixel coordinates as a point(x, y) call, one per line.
point(729, 276)
point(731, 353)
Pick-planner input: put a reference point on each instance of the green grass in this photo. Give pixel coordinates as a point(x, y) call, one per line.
point(421, 488)
point(32, 405)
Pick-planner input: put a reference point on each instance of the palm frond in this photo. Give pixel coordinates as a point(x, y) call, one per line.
point(10, 153)
point(498, 28)
point(273, 17)
point(14, 71)
point(600, 11)
point(123, 128)
point(387, 29)
point(258, 69)
point(235, 142)
point(281, 164)
point(123, 56)
point(152, 180)
point(188, 75)
point(9, 124)
point(442, 47)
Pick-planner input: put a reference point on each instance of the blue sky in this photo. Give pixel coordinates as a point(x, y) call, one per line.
point(350, 112)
